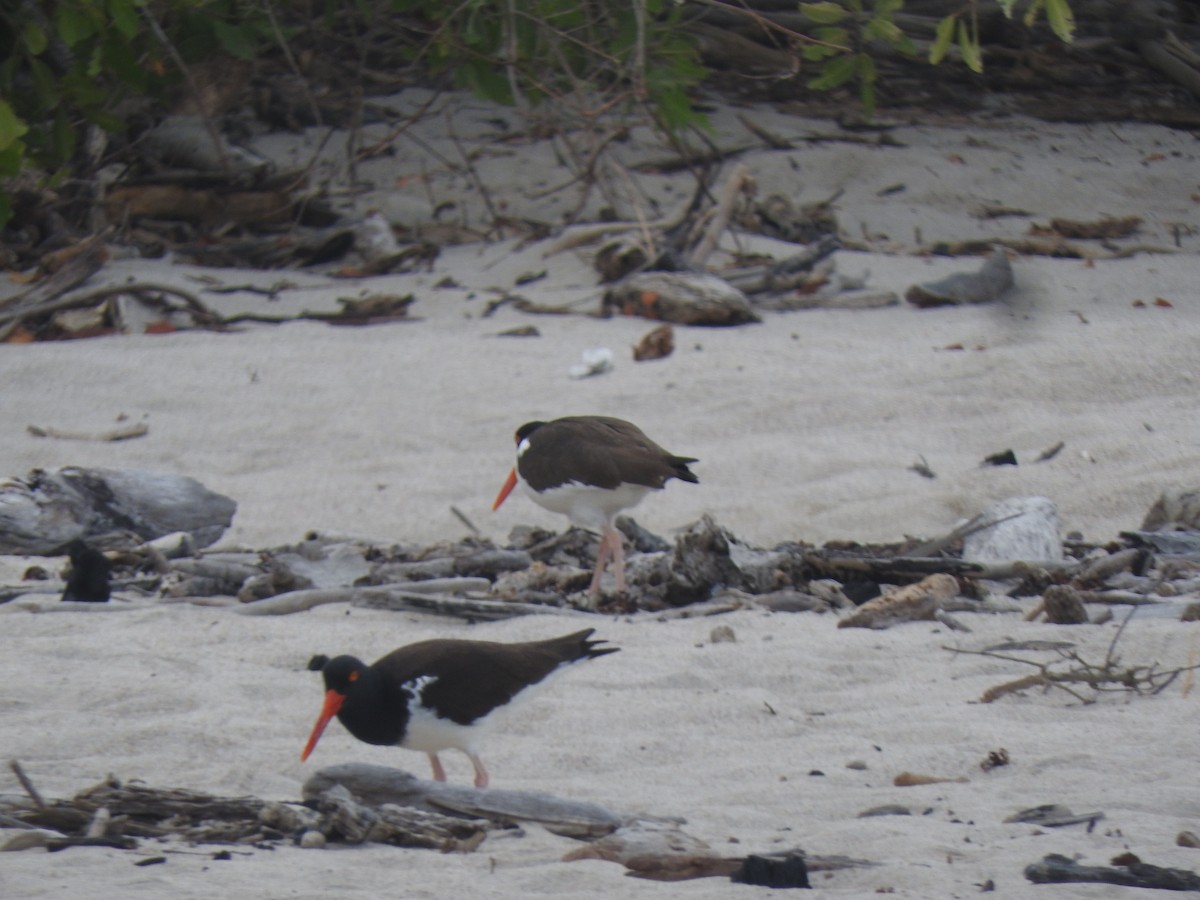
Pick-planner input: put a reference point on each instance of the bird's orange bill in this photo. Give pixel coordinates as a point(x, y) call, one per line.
point(333, 702)
point(506, 490)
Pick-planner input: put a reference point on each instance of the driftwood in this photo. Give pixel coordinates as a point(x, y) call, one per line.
point(116, 814)
point(1055, 868)
point(785, 274)
point(658, 850)
point(124, 433)
point(684, 298)
point(379, 785)
point(47, 295)
point(913, 602)
point(396, 598)
point(1054, 815)
point(46, 510)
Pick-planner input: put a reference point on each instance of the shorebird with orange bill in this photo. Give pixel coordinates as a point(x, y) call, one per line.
point(590, 469)
point(440, 694)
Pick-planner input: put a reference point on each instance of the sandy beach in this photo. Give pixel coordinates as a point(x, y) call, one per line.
point(806, 427)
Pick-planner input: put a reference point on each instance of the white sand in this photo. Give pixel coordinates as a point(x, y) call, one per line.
point(805, 427)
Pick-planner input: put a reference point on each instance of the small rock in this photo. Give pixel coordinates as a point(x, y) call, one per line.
point(312, 840)
point(722, 634)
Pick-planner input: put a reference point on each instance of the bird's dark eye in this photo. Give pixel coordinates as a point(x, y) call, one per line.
point(353, 676)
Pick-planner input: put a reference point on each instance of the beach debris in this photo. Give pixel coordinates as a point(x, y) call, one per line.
point(684, 298)
point(88, 581)
point(657, 343)
point(1063, 605)
point(722, 634)
point(922, 468)
point(1105, 228)
point(887, 809)
point(913, 602)
point(44, 511)
point(1050, 452)
point(1000, 458)
point(1053, 815)
point(121, 433)
point(915, 779)
point(596, 361)
point(377, 786)
point(520, 331)
point(780, 217)
point(789, 871)
point(1025, 528)
point(1081, 679)
point(1174, 510)
point(994, 760)
point(1054, 868)
point(658, 849)
point(117, 814)
point(993, 280)
point(1188, 839)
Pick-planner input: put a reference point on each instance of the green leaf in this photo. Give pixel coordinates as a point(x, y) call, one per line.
point(884, 30)
point(941, 41)
point(834, 73)
point(968, 45)
point(124, 15)
point(840, 37)
point(237, 40)
point(12, 129)
point(34, 38)
point(1006, 6)
point(825, 13)
point(1061, 19)
point(1031, 14)
point(73, 24)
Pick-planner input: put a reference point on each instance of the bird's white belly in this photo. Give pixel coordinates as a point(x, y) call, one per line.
point(585, 505)
point(429, 734)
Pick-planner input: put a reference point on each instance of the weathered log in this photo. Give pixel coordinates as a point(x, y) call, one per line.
point(375, 786)
point(685, 298)
point(1054, 868)
point(406, 598)
point(112, 508)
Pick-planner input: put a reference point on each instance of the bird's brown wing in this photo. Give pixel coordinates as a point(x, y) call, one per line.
point(612, 451)
point(469, 679)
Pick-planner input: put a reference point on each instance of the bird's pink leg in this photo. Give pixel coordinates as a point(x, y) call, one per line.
point(603, 552)
point(611, 547)
point(439, 774)
point(481, 775)
point(618, 558)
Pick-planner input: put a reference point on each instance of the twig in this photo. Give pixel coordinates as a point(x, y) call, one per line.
point(739, 182)
point(461, 516)
point(117, 434)
point(1101, 678)
point(27, 784)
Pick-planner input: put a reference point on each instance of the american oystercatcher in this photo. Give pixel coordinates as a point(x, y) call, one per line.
point(440, 694)
point(590, 468)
